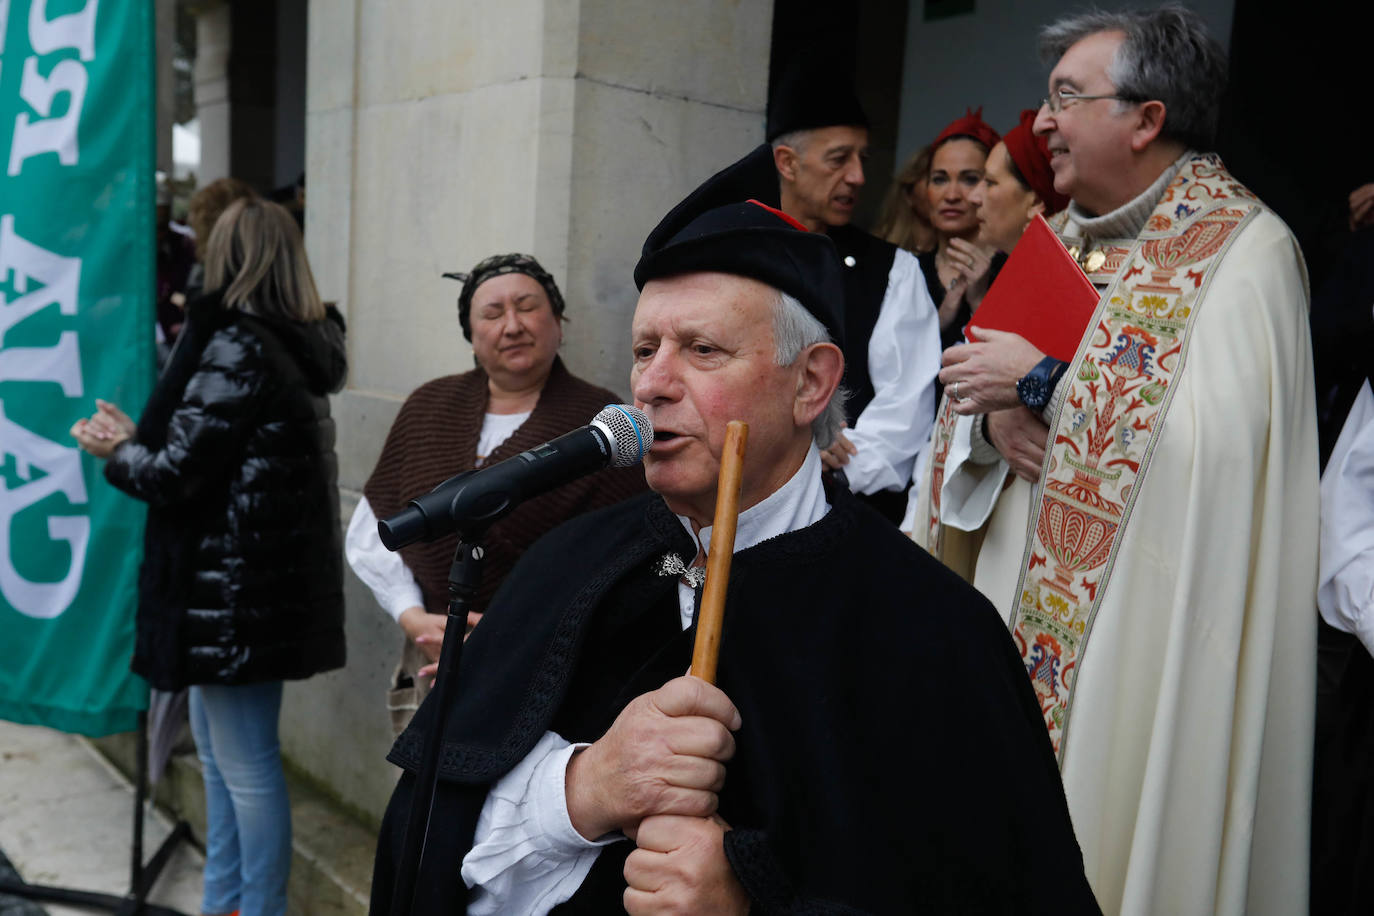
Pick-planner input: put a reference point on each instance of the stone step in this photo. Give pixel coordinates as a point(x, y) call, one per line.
point(331, 869)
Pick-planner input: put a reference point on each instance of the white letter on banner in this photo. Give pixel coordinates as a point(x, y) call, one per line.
point(60, 364)
point(60, 472)
point(74, 30)
point(49, 135)
point(60, 276)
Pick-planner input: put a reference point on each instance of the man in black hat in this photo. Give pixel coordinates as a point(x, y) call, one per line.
point(873, 743)
point(818, 134)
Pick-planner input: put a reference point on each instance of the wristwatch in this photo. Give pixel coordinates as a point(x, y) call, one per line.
point(1036, 386)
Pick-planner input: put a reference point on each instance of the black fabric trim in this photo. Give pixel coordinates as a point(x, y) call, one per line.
point(547, 685)
point(821, 812)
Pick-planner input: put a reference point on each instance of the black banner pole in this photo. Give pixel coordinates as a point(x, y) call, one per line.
point(464, 577)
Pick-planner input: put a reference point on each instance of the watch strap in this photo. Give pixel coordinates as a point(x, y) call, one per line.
point(1037, 386)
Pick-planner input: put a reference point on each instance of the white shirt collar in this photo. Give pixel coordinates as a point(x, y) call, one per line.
point(796, 504)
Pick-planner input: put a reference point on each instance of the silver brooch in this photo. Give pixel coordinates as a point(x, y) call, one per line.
point(671, 565)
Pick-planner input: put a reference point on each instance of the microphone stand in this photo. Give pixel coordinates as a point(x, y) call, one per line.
point(464, 577)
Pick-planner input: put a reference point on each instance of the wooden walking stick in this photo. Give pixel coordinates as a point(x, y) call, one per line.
point(712, 617)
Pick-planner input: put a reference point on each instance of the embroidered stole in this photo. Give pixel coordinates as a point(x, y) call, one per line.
point(941, 439)
point(1123, 380)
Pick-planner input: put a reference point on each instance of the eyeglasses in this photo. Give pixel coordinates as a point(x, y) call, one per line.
point(1062, 98)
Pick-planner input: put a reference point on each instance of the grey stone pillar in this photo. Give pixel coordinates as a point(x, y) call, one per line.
point(165, 16)
point(214, 36)
point(441, 132)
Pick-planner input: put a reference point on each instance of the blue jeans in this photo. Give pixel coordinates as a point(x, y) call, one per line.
point(248, 813)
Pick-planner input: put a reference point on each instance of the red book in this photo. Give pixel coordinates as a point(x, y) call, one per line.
point(1041, 293)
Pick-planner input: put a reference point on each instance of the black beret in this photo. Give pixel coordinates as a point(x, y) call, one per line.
point(725, 227)
point(808, 96)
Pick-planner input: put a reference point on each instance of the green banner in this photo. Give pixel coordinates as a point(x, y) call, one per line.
point(76, 323)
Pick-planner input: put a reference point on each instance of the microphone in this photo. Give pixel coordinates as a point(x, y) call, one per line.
point(618, 436)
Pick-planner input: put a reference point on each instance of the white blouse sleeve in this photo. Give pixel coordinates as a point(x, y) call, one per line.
point(526, 855)
point(903, 359)
point(1345, 585)
point(381, 570)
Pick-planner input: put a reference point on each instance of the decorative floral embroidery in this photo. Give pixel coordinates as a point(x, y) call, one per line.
point(1105, 432)
point(942, 438)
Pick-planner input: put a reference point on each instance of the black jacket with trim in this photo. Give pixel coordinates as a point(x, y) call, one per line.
point(892, 757)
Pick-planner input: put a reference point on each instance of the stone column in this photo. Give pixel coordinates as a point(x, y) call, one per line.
point(440, 132)
point(214, 36)
point(665, 94)
point(164, 17)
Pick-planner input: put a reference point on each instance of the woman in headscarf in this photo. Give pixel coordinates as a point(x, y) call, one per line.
point(1017, 184)
point(519, 395)
point(958, 271)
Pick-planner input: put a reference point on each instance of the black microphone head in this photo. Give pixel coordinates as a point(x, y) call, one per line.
point(630, 433)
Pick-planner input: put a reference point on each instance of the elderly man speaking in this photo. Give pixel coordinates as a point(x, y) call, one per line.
point(873, 745)
point(1162, 586)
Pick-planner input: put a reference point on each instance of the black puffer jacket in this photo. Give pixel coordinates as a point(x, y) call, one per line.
point(242, 576)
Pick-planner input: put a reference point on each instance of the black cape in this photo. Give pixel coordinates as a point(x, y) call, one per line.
point(892, 756)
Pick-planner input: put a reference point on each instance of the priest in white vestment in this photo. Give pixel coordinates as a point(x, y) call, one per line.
point(1161, 586)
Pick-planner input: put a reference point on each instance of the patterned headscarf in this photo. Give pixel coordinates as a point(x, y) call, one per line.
point(495, 266)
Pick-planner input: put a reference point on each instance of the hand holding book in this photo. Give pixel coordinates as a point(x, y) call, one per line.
point(1041, 303)
point(1041, 294)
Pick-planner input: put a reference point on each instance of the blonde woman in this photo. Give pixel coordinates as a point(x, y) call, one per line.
point(905, 220)
point(242, 579)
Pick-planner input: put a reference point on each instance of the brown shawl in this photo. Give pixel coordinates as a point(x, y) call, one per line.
point(435, 437)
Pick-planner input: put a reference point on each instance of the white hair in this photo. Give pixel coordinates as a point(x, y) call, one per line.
point(796, 140)
point(795, 329)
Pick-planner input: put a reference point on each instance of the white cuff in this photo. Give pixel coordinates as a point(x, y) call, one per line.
point(526, 856)
point(403, 599)
point(969, 491)
point(550, 800)
point(525, 816)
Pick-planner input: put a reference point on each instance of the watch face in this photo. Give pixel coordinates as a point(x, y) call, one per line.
point(1034, 386)
point(1033, 392)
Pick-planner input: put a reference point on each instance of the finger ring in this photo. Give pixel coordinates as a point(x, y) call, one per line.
point(954, 392)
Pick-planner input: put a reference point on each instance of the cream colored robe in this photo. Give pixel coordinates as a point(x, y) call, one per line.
point(1187, 765)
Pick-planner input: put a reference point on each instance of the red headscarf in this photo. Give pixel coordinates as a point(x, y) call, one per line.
point(1032, 157)
point(970, 125)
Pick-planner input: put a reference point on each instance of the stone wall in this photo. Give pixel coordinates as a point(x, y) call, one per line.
point(440, 132)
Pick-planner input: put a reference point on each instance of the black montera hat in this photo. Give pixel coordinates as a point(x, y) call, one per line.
point(724, 227)
point(808, 97)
